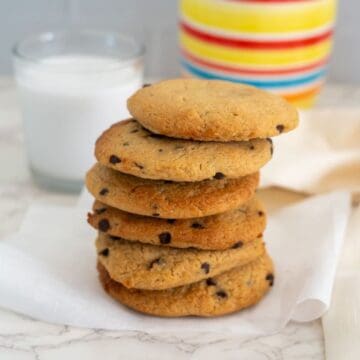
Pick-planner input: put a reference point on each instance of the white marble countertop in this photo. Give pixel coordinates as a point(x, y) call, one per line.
point(22, 338)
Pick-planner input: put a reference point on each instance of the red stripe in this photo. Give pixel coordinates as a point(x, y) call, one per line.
point(234, 69)
point(254, 44)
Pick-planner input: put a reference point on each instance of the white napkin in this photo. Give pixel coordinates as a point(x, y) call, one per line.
point(47, 271)
point(323, 154)
point(342, 322)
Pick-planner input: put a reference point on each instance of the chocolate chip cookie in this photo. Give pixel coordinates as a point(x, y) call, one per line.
point(170, 200)
point(211, 110)
point(128, 147)
point(216, 232)
point(145, 266)
point(231, 291)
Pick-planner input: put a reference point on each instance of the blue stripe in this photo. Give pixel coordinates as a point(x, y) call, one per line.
point(259, 83)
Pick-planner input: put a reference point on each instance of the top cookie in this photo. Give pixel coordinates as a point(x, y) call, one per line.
point(128, 147)
point(211, 110)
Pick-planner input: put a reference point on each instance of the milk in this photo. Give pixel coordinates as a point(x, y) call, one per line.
point(67, 101)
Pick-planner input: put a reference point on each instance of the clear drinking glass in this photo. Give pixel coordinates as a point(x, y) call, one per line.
point(72, 86)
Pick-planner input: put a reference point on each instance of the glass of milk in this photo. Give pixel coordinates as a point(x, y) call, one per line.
point(72, 86)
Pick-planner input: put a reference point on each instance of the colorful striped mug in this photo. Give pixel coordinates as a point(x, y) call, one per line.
point(279, 45)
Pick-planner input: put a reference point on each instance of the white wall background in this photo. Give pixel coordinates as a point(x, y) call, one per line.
point(155, 22)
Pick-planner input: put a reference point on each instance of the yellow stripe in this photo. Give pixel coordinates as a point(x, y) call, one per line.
point(253, 18)
point(255, 57)
point(305, 103)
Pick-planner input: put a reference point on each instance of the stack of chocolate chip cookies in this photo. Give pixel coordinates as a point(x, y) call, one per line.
point(179, 225)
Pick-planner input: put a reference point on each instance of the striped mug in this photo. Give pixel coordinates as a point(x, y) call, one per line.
point(279, 45)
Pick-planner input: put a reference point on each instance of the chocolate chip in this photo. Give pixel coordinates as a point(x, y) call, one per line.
point(260, 213)
point(100, 210)
point(270, 278)
point(157, 261)
point(160, 150)
point(280, 128)
point(251, 147)
point(219, 176)
point(165, 238)
point(113, 159)
point(134, 131)
point(237, 245)
point(205, 267)
point(170, 221)
point(125, 144)
point(197, 225)
point(104, 225)
point(104, 252)
point(104, 191)
point(210, 282)
point(146, 85)
point(112, 237)
point(155, 214)
point(138, 165)
point(221, 294)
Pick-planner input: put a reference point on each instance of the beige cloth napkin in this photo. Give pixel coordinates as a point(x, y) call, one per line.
point(342, 322)
point(323, 154)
